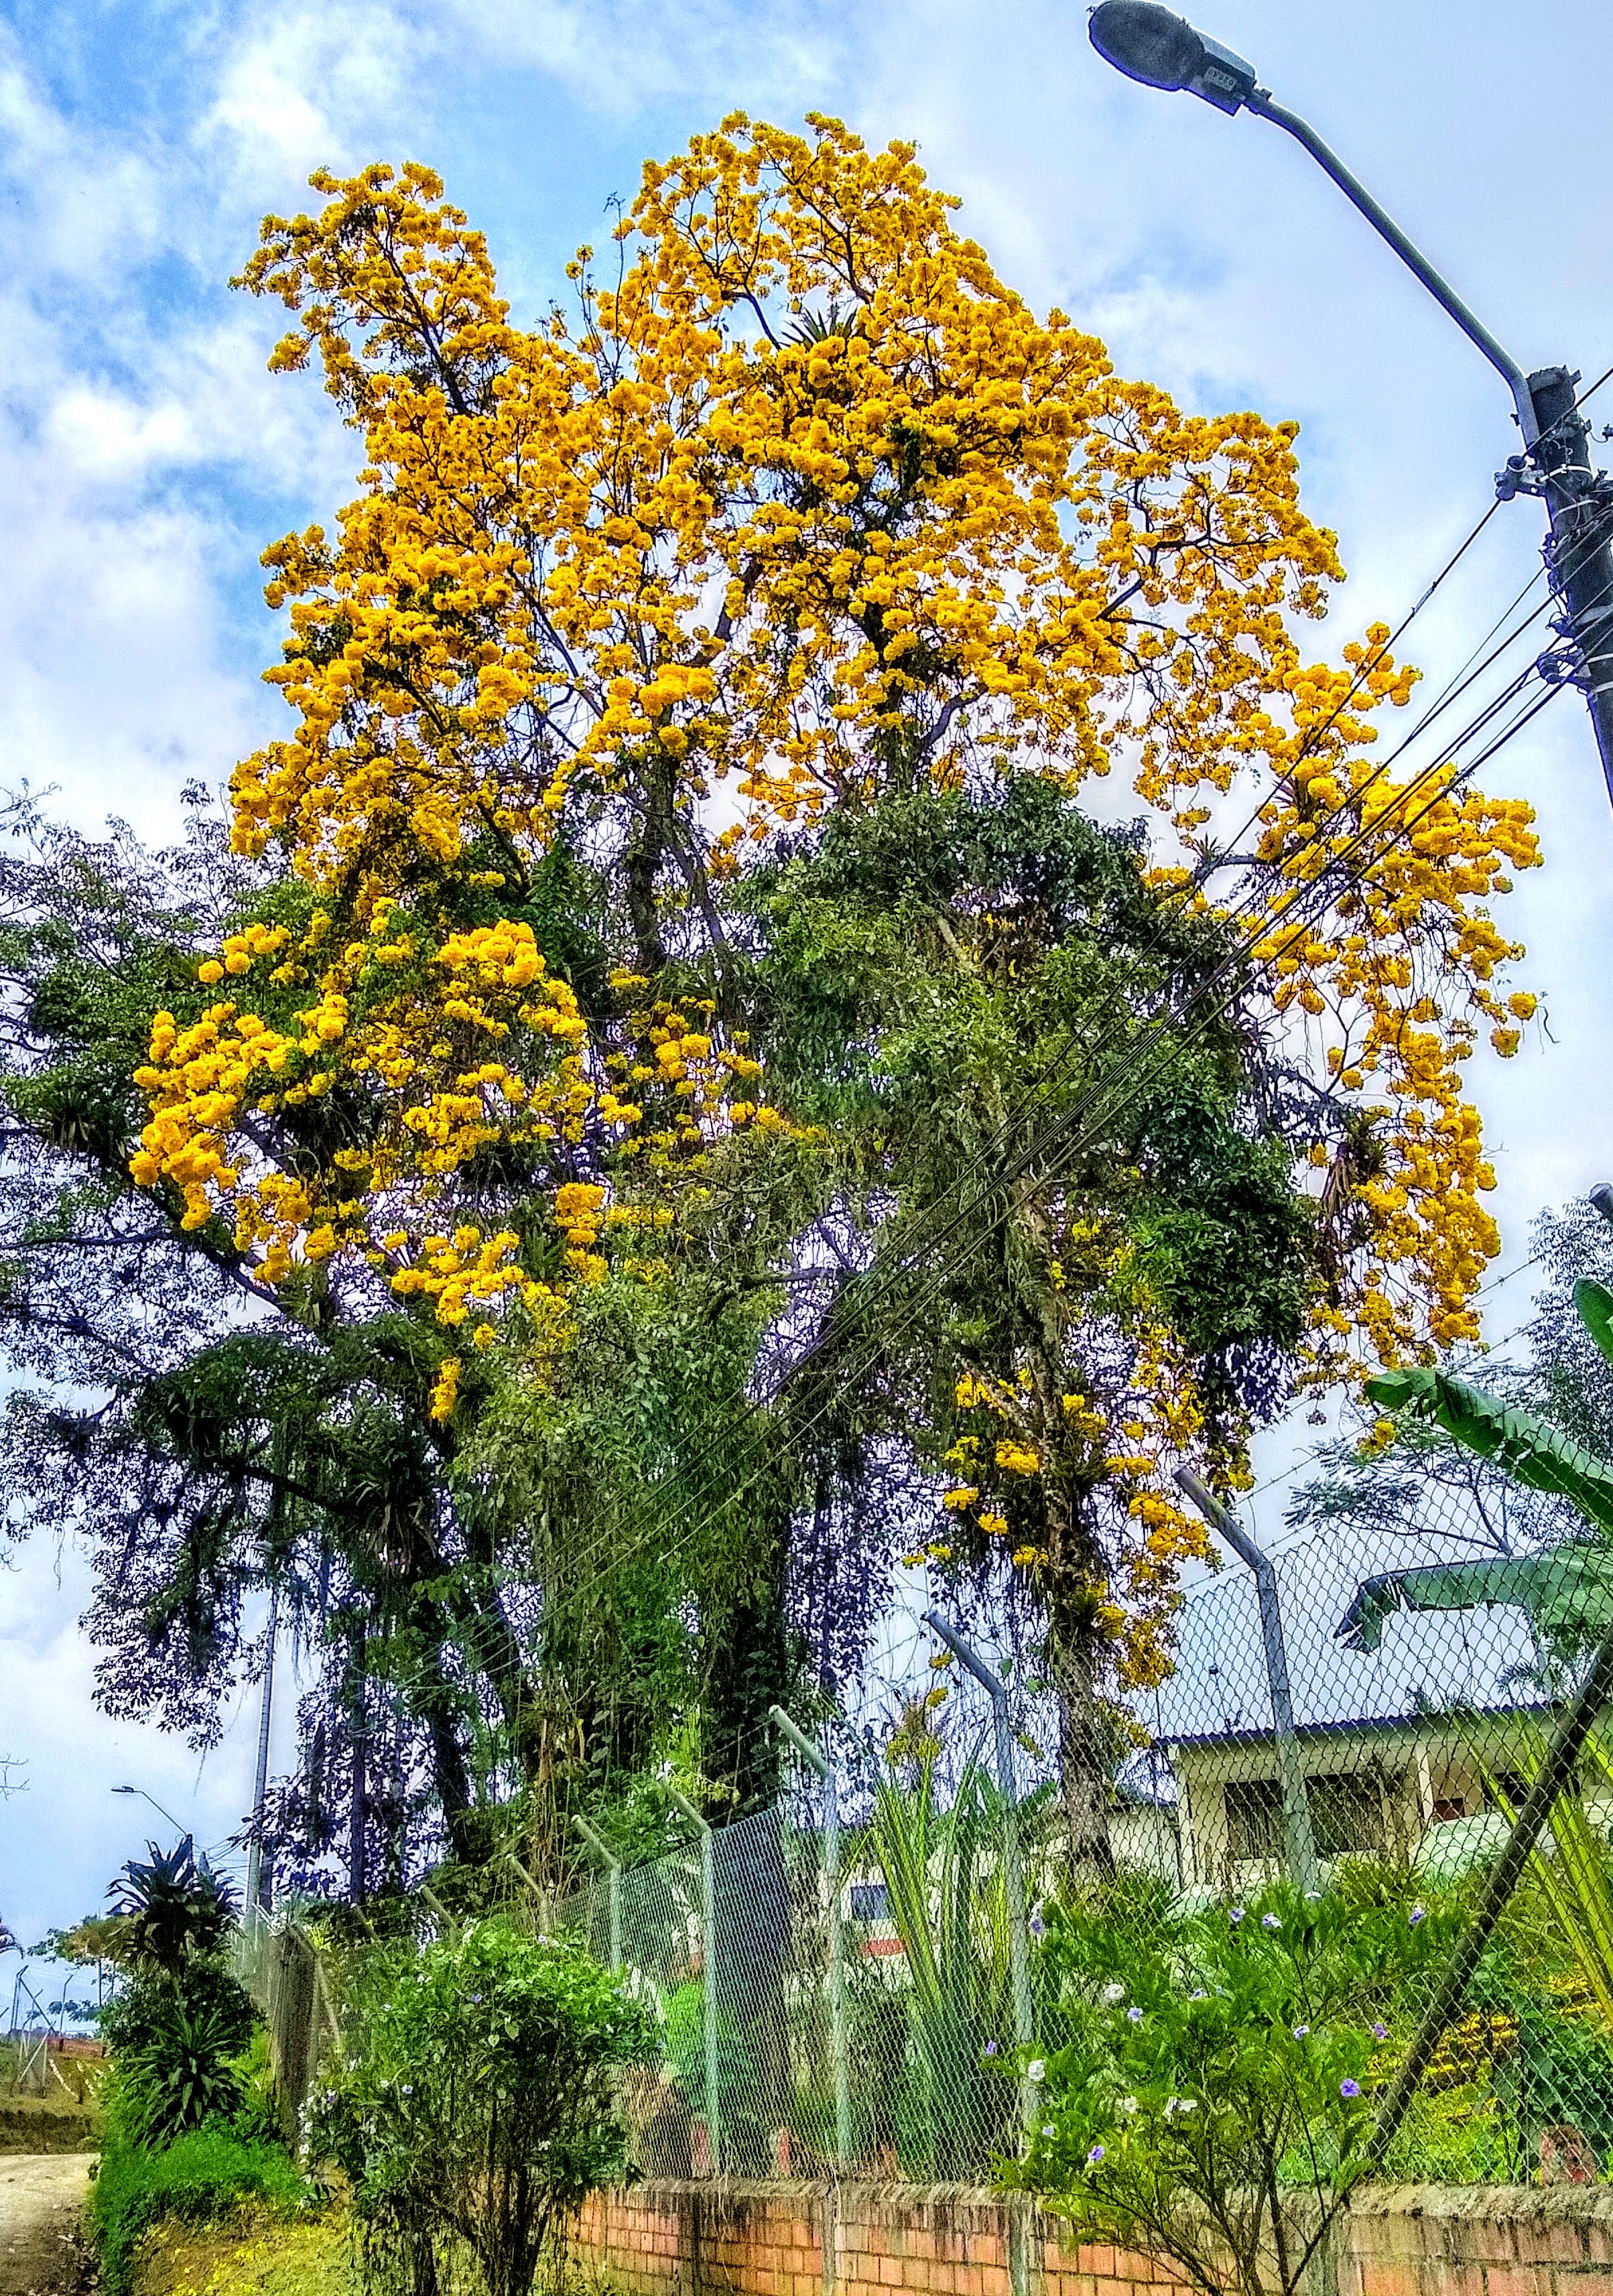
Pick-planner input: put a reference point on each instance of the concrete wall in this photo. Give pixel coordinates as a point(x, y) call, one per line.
point(744, 2239)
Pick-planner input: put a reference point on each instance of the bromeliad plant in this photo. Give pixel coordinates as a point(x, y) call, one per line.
point(183, 2018)
point(1220, 2069)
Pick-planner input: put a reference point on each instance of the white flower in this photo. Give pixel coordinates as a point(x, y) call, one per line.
point(1037, 2069)
point(1179, 2105)
point(1127, 2105)
point(1114, 1993)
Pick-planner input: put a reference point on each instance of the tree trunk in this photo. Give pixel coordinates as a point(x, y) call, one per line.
point(1085, 1755)
point(356, 1814)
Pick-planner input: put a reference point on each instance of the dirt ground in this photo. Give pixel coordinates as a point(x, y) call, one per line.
point(41, 2206)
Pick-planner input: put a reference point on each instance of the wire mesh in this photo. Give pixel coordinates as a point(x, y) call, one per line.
point(1421, 1714)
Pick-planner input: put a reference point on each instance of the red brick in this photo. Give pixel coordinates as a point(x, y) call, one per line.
point(1382, 2278)
point(1518, 2280)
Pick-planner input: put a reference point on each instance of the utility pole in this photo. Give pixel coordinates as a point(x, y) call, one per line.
point(1579, 501)
point(255, 1876)
point(1162, 50)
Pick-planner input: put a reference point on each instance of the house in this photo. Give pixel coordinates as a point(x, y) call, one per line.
point(1373, 1784)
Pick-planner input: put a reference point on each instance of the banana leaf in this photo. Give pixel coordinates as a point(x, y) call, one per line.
point(1594, 1303)
point(1567, 1593)
point(1530, 1450)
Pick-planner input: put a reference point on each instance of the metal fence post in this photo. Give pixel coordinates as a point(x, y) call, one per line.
point(714, 2116)
point(818, 1761)
point(1298, 1840)
point(613, 1885)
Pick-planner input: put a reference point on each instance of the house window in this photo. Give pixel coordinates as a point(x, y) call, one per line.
point(1346, 1814)
point(1254, 1819)
point(870, 1901)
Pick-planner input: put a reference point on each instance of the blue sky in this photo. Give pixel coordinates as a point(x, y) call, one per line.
point(145, 457)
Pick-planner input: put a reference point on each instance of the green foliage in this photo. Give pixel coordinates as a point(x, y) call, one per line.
point(1217, 2065)
point(183, 2018)
point(175, 2056)
point(205, 2176)
point(171, 1909)
point(1530, 1447)
point(476, 2108)
point(684, 2039)
point(943, 1870)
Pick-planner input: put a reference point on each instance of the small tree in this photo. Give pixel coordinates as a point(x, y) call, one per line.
point(183, 2017)
point(477, 2111)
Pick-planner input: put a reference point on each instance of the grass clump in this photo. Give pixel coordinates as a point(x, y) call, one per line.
point(202, 2179)
point(254, 2253)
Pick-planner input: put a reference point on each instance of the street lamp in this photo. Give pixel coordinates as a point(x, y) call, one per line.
point(156, 1804)
point(1163, 50)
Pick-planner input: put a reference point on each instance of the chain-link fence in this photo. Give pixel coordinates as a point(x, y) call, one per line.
point(1363, 1715)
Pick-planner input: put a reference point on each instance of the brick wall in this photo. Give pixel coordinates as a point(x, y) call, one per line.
point(697, 2239)
point(1454, 2240)
point(743, 2239)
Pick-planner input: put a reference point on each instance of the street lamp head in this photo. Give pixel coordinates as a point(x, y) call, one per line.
point(1161, 49)
point(125, 1790)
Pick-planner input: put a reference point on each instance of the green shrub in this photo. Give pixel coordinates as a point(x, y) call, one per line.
point(1219, 2066)
point(175, 2045)
point(200, 2179)
point(476, 2107)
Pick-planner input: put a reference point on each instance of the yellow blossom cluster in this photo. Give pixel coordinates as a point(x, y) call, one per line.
point(343, 1115)
point(1387, 975)
point(809, 499)
point(805, 498)
point(1042, 1453)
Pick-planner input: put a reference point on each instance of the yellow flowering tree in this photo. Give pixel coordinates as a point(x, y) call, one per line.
point(796, 512)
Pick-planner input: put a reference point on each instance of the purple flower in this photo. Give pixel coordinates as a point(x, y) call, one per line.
point(1269, 1921)
point(1237, 1914)
point(1380, 2032)
point(1134, 2016)
point(1038, 1925)
point(991, 2048)
point(1417, 1915)
point(1349, 2088)
point(1300, 2031)
point(1094, 2156)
